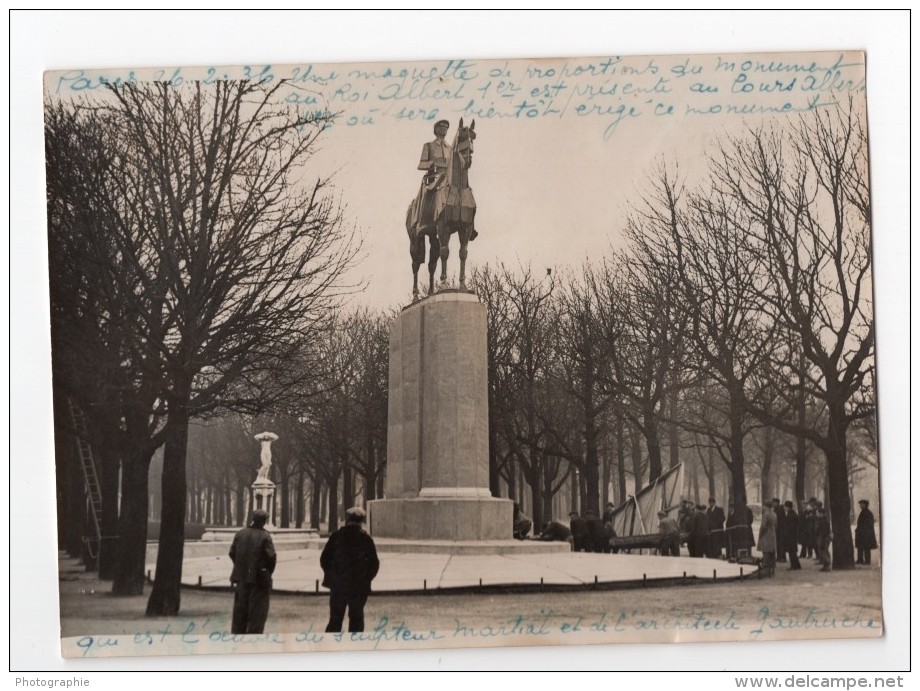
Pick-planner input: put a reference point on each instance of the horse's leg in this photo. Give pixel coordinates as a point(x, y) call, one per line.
point(464, 235)
point(444, 240)
point(417, 251)
point(433, 253)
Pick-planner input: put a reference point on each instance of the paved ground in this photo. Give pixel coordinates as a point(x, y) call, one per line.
point(298, 570)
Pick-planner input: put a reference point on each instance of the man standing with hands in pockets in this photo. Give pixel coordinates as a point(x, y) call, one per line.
point(254, 558)
point(349, 562)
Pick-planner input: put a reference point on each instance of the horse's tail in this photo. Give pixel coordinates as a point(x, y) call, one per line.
point(410, 225)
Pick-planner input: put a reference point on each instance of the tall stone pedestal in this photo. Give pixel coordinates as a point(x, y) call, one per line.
point(437, 483)
point(263, 497)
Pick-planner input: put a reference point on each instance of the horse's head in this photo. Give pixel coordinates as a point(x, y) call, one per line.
point(465, 136)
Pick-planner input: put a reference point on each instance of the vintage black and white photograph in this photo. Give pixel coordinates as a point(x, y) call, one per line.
point(463, 353)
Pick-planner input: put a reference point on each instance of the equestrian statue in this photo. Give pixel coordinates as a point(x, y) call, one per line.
point(444, 204)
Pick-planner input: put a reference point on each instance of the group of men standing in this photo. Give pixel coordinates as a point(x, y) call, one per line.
point(349, 562)
point(783, 532)
point(592, 533)
point(703, 526)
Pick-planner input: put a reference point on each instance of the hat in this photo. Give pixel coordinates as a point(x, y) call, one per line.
point(662, 513)
point(863, 501)
point(442, 122)
point(259, 518)
point(355, 515)
point(787, 504)
point(573, 513)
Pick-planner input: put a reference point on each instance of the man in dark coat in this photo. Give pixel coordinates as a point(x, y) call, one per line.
point(807, 529)
point(579, 528)
point(791, 536)
point(554, 531)
point(716, 517)
point(865, 534)
point(698, 544)
point(780, 530)
point(349, 562)
point(253, 556)
point(608, 512)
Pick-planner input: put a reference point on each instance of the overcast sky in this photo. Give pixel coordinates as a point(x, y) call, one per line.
point(563, 146)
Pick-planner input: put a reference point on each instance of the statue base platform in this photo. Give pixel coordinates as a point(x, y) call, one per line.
point(278, 534)
point(441, 518)
point(506, 548)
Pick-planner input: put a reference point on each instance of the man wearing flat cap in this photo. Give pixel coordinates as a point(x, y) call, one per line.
point(253, 557)
point(349, 562)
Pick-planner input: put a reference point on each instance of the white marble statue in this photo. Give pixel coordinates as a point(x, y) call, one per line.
point(266, 456)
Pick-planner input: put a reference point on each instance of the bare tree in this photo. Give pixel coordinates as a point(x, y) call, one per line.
point(642, 329)
point(583, 367)
point(805, 200)
point(229, 256)
point(528, 317)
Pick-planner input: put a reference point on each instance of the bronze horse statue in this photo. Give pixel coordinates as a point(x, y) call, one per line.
point(444, 205)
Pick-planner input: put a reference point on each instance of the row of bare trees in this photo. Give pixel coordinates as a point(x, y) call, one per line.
point(739, 303)
point(197, 277)
point(194, 259)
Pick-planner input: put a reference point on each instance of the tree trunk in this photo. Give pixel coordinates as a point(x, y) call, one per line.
point(536, 497)
point(316, 491)
point(838, 484)
point(370, 479)
point(299, 508)
point(673, 432)
point(800, 449)
point(240, 506)
point(165, 597)
point(285, 499)
point(652, 445)
point(333, 502)
point(621, 459)
point(605, 476)
point(70, 489)
point(695, 478)
point(348, 487)
point(575, 487)
point(768, 445)
point(132, 527)
point(711, 475)
point(381, 473)
point(108, 546)
point(636, 452)
point(494, 475)
point(592, 479)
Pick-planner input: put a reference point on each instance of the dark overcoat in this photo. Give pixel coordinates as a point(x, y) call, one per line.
point(791, 531)
point(349, 561)
point(865, 530)
point(253, 556)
